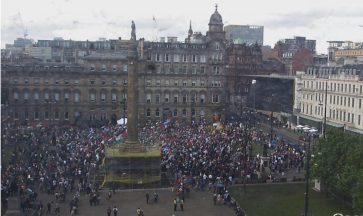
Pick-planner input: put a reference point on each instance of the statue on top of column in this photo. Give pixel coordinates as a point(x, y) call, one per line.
point(133, 33)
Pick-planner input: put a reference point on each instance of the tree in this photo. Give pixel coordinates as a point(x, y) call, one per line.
point(338, 163)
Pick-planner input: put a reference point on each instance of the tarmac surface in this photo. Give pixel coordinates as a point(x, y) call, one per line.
point(199, 203)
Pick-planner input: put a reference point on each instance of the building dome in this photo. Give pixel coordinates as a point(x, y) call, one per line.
point(216, 18)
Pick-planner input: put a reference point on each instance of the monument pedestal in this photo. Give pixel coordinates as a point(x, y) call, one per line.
point(132, 146)
point(127, 167)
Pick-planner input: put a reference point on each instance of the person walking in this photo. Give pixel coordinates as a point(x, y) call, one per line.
point(147, 197)
point(156, 197)
point(49, 208)
point(175, 204)
point(109, 211)
point(215, 199)
point(115, 210)
point(139, 212)
point(57, 208)
point(109, 195)
point(181, 204)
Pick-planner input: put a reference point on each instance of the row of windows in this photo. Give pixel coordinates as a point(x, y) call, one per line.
point(75, 97)
point(344, 116)
point(183, 83)
point(68, 82)
point(104, 82)
point(105, 69)
point(174, 112)
point(335, 87)
point(36, 81)
point(46, 115)
point(333, 114)
point(178, 58)
point(175, 69)
point(179, 45)
point(149, 98)
point(57, 115)
point(334, 99)
point(344, 101)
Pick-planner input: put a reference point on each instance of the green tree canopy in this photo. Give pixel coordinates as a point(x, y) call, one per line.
point(338, 163)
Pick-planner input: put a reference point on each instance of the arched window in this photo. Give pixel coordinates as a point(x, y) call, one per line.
point(193, 112)
point(202, 98)
point(76, 97)
point(66, 115)
point(103, 96)
point(56, 96)
point(46, 95)
point(148, 98)
point(157, 112)
point(36, 95)
point(148, 112)
point(201, 113)
point(16, 96)
point(114, 97)
point(26, 95)
point(66, 97)
point(103, 68)
point(92, 96)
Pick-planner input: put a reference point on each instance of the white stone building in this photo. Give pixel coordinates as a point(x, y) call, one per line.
point(339, 90)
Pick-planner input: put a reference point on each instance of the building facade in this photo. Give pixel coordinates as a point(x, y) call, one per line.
point(54, 94)
point(334, 93)
point(244, 34)
point(345, 52)
point(296, 53)
point(179, 80)
point(85, 82)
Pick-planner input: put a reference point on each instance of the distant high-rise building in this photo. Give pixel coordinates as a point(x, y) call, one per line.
point(248, 34)
point(22, 42)
point(345, 52)
point(298, 42)
point(296, 53)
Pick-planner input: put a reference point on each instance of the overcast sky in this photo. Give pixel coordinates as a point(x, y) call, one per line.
point(90, 19)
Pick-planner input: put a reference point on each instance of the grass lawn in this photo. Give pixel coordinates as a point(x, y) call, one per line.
point(7, 151)
point(258, 149)
point(285, 199)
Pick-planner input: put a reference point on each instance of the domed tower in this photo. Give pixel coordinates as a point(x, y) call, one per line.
point(215, 24)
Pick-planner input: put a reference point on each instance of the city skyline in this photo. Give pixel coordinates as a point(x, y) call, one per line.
point(83, 20)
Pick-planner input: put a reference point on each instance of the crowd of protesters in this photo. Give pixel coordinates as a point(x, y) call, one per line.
point(62, 161)
point(201, 156)
point(59, 161)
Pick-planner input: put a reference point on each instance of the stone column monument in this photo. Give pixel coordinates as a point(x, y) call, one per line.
point(132, 164)
point(132, 144)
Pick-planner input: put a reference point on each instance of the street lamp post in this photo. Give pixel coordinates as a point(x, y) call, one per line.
point(326, 99)
point(192, 110)
point(49, 106)
point(271, 125)
point(254, 101)
point(309, 133)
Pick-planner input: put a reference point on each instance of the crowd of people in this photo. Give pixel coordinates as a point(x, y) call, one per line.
point(201, 156)
point(59, 161)
point(62, 161)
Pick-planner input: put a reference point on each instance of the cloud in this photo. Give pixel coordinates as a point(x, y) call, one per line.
point(109, 27)
point(309, 18)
